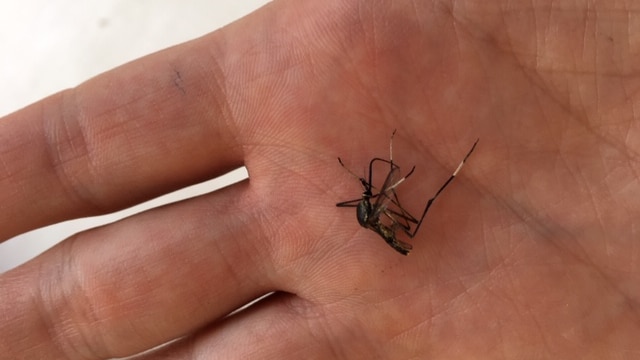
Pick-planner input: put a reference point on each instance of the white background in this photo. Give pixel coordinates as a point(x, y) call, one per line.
point(50, 45)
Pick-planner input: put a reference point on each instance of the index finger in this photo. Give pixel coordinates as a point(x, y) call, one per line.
point(144, 129)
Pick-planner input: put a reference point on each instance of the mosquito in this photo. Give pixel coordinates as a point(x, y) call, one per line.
point(370, 215)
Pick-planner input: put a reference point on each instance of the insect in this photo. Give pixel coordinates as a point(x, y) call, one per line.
point(379, 216)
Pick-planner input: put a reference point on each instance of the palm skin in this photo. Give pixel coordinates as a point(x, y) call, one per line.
point(530, 253)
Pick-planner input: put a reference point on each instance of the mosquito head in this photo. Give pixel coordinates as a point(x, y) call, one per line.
point(367, 188)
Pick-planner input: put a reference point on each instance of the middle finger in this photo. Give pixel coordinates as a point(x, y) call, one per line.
point(140, 282)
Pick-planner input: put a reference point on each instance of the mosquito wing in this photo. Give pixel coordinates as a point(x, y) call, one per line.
point(386, 193)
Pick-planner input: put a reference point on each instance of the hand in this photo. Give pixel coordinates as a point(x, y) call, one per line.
point(530, 253)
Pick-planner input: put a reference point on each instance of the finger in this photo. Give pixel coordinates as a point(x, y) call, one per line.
point(130, 286)
point(141, 130)
point(282, 326)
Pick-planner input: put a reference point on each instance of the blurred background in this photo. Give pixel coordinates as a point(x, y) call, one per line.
point(50, 45)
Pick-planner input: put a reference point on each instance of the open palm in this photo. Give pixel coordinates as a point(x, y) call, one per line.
point(530, 253)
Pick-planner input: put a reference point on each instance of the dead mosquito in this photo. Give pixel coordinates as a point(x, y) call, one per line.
point(397, 218)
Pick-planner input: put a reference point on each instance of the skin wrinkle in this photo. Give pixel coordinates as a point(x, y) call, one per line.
point(405, 334)
point(228, 266)
point(499, 329)
point(339, 327)
point(415, 12)
point(584, 39)
point(365, 77)
point(627, 140)
point(409, 327)
point(510, 278)
point(597, 61)
point(223, 117)
point(60, 141)
point(423, 149)
point(606, 331)
point(633, 251)
point(524, 311)
point(504, 258)
point(5, 172)
point(65, 335)
point(373, 45)
point(318, 330)
point(610, 285)
point(84, 342)
point(541, 227)
point(47, 322)
point(458, 47)
point(630, 33)
point(596, 209)
point(272, 255)
point(473, 305)
point(89, 344)
point(580, 119)
point(462, 283)
point(218, 85)
point(444, 309)
point(334, 350)
point(230, 260)
point(487, 258)
point(540, 45)
point(592, 192)
point(539, 96)
point(510, 41)
point(542, 334)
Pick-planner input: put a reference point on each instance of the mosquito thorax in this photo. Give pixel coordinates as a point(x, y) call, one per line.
point(363, 211)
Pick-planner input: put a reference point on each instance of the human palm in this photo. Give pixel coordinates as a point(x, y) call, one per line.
point(529, 253)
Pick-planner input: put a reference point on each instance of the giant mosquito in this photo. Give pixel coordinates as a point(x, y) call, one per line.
point(369, 216)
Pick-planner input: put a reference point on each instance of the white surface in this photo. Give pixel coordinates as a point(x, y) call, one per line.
point(50, 45)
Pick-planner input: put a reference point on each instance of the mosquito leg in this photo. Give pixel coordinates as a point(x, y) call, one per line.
point(394, 199)
point(395, 216)
point(426, 209)
point(391, 147)
point(466, 157)
point(371, 168)
point(393, 167)
point(349, 203)
point(402, 211)
point(389, 236)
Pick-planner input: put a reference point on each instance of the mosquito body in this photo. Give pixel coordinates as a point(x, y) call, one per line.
point(379, 216)
point(369, 215)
